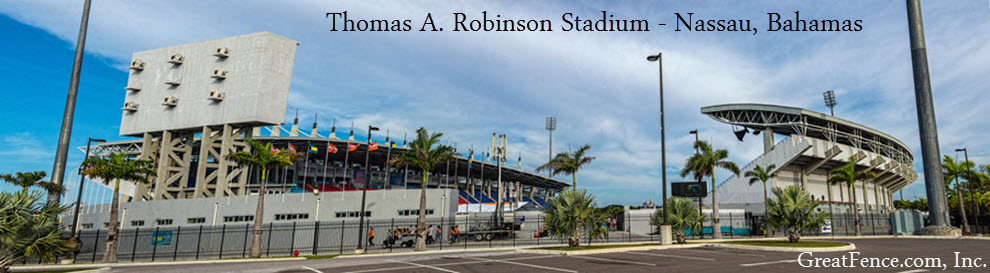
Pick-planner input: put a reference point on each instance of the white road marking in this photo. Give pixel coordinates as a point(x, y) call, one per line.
point(425, 266)
point(610, 260)
point(447, 264)
point(529, 265)
point(774, 262)
point(311, 269)
point(914, 271)
point(672, 256)
point(712, 251)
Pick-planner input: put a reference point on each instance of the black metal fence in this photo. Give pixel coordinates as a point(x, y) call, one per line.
point(978, 224)
point(279, 239)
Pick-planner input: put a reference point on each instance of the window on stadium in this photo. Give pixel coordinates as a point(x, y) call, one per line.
point(291, 216)
point(137, 223)
point(197, 220)
point(87, 225)
point(238, 218)
point(163, 222)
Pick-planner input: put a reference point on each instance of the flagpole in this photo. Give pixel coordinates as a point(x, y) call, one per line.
point(306, 166)
point(388, 157)
point(326, 162)
point(457, 181)
point(347, 154)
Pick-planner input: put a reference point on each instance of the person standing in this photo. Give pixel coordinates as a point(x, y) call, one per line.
point(371, 236)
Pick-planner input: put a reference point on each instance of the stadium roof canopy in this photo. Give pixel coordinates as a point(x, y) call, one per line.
point(510, 172)
point(797, 121)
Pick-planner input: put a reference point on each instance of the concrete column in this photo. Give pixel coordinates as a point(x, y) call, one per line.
point(767, 140)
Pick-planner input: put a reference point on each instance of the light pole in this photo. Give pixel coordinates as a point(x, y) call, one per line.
point(62, 151)
point(663, 140)
point(551, 125)
point(934, 181)
point(695, 133)
point(976, 209)
point(364, 191)
point(82, 178)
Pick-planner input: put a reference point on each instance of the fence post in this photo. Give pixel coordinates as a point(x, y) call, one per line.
point(292, 241)
point(154, 243)
point(731, 232)
point(96, 243)
point(199, 239)
point(440, 234)
point(390, 231)
point(247, 228)
point(175, 246)
point(223, 235)
point(316, 236)
point(268, 245)
point(342, 223)
point(133, 247)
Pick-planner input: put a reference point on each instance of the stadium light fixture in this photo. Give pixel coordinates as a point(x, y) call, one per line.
point(663, 142)
point(830, 100)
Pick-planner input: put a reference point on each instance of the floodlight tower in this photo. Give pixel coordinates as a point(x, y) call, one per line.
point(551, 125)
point(830, 101)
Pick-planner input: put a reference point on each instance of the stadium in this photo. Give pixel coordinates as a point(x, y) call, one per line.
point(815, 143)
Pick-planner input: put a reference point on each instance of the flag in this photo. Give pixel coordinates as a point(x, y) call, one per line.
point(331, 148)
point(292, 148)
point(351, 147)
point(392, 144)
point(313, 149)
point(373, 146)
point(272, 149)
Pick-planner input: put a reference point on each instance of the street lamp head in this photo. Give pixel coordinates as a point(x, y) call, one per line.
point(693, 132)
point(653, 58)
point(961, 150)
point(97, 140)
point(372, 128)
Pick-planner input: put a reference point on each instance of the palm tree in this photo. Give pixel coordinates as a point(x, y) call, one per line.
point(703, 164)
point(568, 163)
point(683, 216)
point(573, 214)
point(115, 167)
point(953, 170)
point(261, 156)
point(30, 179)
point(424, 153)
point(29, 228)
point(848, 175)
point(793, 211)
point(759, 174)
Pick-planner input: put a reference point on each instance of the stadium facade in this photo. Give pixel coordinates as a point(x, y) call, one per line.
point(815, 143)
point(191, 105)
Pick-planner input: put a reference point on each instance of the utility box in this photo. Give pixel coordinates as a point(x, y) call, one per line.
point(907, 222)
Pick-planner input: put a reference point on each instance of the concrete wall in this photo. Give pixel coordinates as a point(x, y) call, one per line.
point(382, 205)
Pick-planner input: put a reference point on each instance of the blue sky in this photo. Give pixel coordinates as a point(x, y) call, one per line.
point(470, 84)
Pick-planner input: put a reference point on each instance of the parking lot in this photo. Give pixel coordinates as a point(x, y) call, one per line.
point(700, 259)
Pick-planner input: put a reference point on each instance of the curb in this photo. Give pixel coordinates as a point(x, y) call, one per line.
point(848, 247)
point(415, 253)
point(607, 250)
point(100, 266)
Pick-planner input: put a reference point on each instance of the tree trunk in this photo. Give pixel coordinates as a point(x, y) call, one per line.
point(110, 255)
point(574, 179)
point(793, 237)
point(765, 200)
point(962, 209)
point(258, 214)
point(852, 193)
point(421, 225)
point(716, 226)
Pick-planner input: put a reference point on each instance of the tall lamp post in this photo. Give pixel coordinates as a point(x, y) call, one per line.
point(82, 178)
point(62, 151)
point(934, 181)
point(364, 191)
point(959, 195)
point(551, 125)
point(663, 147)
point(830, 101)
point(695, 133)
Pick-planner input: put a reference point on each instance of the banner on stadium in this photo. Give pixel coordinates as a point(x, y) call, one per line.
point(162, 238)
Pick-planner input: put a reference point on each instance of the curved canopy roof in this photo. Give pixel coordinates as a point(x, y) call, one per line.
point(793, 120)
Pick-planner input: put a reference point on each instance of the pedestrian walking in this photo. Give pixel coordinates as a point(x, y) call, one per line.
point(371, 236)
